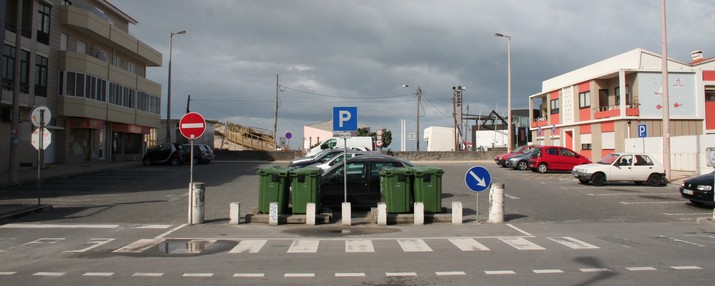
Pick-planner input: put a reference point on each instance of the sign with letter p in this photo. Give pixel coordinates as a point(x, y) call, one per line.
point(345, 119)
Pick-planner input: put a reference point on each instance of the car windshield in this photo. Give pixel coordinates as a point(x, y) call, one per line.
point(609, 159)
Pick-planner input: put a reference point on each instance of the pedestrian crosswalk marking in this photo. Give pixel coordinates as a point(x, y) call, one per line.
point(304, 246)
point(414, 245)
point(521, 243)
point(573, 243)
point(362, 245)
point(468, 244)
point(249, 246)
point(139, 246)
point(93, 243)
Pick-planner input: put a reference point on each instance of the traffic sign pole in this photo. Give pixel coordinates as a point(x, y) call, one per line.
point(477, 180)
point(192, 125)
point(39, 154)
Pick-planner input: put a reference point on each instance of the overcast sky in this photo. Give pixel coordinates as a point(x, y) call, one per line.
point(359, 53)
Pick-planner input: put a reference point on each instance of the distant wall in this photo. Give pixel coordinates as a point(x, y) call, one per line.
point(410, 156)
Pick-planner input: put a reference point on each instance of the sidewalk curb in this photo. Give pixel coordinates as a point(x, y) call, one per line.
point(5, 218)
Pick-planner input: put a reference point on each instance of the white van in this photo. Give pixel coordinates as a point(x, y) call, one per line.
point(358, 142)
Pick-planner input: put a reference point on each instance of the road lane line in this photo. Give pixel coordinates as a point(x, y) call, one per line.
point(299, 275)
point(359, 245)
point(154, 226)
point(33, 225)
point(400, 274)
point(249, 246)
point(414, 245)
point(686, 267)
point(98, 274)
point(521, 243)
point(8, 273)
point(249, 275)
point(147, 274)
point(51, 274)
point(358, 274)
point(588, 270)
point(94, 243)
point(511, 197)
point(172, 230)
point(635, 194)
point(139, 245)
point(197, 275)
point(499, 272)
point(519, 230)
point(641, 269)
point(304, 246)
point(450, 273)
point(547, 271)
point(573, 243)
point(644, 203)
point(468, 244)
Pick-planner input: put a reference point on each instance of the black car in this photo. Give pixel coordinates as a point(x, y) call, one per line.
point(699, 190)
point(171, 153)
point(363, 181)
point(201, 155)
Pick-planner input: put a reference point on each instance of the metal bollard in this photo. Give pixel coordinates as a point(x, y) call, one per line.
point(496, 203)
point(197, 203)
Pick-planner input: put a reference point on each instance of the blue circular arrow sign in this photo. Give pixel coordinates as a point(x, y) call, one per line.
point(478, 179)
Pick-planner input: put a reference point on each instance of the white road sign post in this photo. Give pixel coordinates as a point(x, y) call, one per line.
point(41, 138)
point(192, 125)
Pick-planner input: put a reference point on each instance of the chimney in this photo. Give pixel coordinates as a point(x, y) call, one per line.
point(697, 55)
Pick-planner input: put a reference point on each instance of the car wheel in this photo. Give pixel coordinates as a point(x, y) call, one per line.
point(542, 168)
point(147, 162)
point(175, 161)
point(598, 179)
point(655, 180)
point(583, 181)
point(522, 165)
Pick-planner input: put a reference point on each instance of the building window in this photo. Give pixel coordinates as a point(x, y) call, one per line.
point(43, 23)
point(555, 106)
point(63, 42)
point(710, 95)
point(81, 47)
point(11, 17)
point(8, 70)
point(130, 67)
point(41, 69)
point(586, 146)
point(584, 99)
point(24, 71)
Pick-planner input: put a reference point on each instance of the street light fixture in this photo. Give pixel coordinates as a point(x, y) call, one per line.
point(457, 92)
point(509, 128)
point(168, 94)
point(418, 93)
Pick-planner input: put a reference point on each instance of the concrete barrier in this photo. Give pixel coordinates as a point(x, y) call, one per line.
point(235, 213)
point(273, 213)
point(347, 214)
point(457, 213)
point(496, 203)
point(419, 213)
point(310, 214)
point(381, 213)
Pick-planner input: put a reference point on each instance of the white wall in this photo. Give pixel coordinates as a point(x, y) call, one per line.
point(687, 153)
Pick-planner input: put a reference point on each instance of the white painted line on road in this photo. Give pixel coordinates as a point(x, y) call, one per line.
point(33, 225)
point(52, 274)
point(8, 273)
point(521, 243)
point(299, 275)
point(154, 226)
point(414, 245)
point(249, 275)
point(687, 214)
point(361, 245)
point(173, 230)
point(641, 269)
point(139, 245)
point(147, 274)
point(249, 246)
point(679, 240)
point(511, 197)
point(499, 272)
point(304, 246)
point(573, 243)
point(450, 273)
point(635, 194)
point(519, 230)
point(42, 240)
point(400, 274)
point(94, 243)
point(547, 271)
point(98, 274)
point(686, 267)
point(468, 244)
point(588, 270)
point(197, 275)
point(644, 203)
point(350, 274)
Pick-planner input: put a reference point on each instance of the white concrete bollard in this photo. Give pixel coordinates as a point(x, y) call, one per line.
point(381, 213)
point(310, 214)
point(419, 213)
point(347, 214)
point(235, 213)
point(273, 214)
point(496, 203)
point(456, 212)
point(197, 203)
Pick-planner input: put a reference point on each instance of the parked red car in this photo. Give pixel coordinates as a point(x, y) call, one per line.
point(501, 158)
point(555, 158)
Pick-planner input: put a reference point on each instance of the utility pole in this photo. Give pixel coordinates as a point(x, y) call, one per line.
point(188, 102)
point(418, 93)
point(15, 112)
point(666, 100)
point(275, 118)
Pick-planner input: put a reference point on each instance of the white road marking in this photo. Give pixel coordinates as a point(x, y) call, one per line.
point(139, 245)
point(98, 274)
point(172, 230)
point(349, 274)
point(450, 273)
point(680, 240)
point(636, 194)
point(414, 245)
point(686, 267)
point(147, 274)
point(32, 225)
point(249, 275)
point(361, 245)
point(686, 214)
point(304, 246)
point(547, 271)
point(197, 275)
point(52, 274)
point(499, 272)
point(645, 203)
point(511, 197)
point(521, 243)
point(573, 243)
point(249, 246)
point(400, 274)
point(588, 270)
point(519, 230)
point(195, 246)
point(299, 275)
point(154, 226)
point(641, 269)
point(94, 243)
point(468, 244)
point(8, 273)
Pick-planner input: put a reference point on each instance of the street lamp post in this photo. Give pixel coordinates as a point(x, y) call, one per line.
point(457, 93)
point(168, 94)
point(509, 128)
point(418, 93)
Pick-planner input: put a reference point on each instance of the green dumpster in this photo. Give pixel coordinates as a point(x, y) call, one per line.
point(428, 187)
point(273, 187)
point(305, 188)
point(395, 186)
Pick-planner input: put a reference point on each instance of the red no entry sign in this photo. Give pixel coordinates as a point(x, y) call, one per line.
point(192, 125)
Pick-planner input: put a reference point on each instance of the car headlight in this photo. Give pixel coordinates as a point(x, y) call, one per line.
point(705, 188)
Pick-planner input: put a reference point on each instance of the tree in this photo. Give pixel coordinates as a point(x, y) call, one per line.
point(386, 135)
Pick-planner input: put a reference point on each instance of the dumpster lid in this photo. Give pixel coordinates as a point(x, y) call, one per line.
point(426, 170)
point(391, 171)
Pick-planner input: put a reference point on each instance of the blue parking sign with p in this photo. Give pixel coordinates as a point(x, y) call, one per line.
point(345, 119)
point(642, 130)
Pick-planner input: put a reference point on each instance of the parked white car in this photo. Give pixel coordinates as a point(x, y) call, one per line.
point(634, 167)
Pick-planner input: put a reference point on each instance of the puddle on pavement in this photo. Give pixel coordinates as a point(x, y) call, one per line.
point(339, 231)
point(189, 247)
